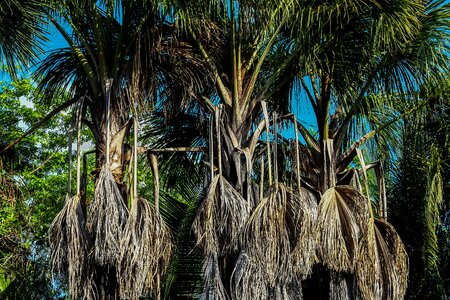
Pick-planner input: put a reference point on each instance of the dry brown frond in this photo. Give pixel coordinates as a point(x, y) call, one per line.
point(293, 291)
point(248, 281)
point(382, 268)
point(146, 247)
point(267, 238)
point(69, 248)
point(304, 212)
point(343, 214)
point(279, 235)
point(214, 289)
point(220, 218)
point(368, 268)
point(107, 217)
point(342, 286)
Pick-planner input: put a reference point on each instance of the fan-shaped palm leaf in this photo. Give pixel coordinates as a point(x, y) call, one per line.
point(343, 212)
point(22, 32)
point(382, 267)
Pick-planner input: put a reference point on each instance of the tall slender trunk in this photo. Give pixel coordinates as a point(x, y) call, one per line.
point(120, 128)
point(106, 283)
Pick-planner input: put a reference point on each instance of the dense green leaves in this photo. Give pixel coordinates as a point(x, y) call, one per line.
point(33, 180)
point(420, 185)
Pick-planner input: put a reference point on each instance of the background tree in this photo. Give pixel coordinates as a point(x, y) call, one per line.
point(122, 55)
point(419, 178)
point(33, 178)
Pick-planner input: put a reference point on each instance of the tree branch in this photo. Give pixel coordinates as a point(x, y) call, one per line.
point(46, 161)
point(40, 123)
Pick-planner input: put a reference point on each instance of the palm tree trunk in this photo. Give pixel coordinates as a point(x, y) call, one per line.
point(120, 128)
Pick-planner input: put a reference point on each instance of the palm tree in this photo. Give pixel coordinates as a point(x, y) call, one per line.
point(121, 55)
point(235, 40)
point(346, 104)
point(380, 44)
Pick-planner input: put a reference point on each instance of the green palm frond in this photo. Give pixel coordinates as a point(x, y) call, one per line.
point(185, 128)
point(22, 33)
point(434, 200)
point(147, 60)
point(60, 73)
point(184, 274)
point(417, 186)
point(381, 43)
point(178, 205)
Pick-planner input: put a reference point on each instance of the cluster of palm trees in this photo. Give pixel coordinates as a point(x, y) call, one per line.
point(278, 219)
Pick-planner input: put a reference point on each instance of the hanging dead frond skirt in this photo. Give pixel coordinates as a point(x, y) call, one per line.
point(219, 221)
point(107, 217)
point(69, 241)
point(382, 267)
point(342, 221)
point(146, 243)
point(146, 247)
point(279, 244)
point(221, 218)
point(69, 248)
